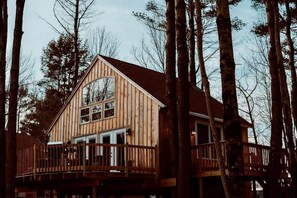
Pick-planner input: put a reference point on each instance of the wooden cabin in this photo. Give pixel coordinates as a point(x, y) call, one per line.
point(109, 138)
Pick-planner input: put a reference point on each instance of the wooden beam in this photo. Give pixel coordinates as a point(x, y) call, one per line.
point(200, 187)
point(254, 189)
point(84, 158)
point(34, 161)
point(94, 193)
point(165, 183)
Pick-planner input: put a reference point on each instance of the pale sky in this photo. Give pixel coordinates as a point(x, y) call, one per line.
point(116, 17)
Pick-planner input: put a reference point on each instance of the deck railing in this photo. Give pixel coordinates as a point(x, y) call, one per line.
point(128, 158)
point(87, 157)
point(204, 157)
point(256, 158)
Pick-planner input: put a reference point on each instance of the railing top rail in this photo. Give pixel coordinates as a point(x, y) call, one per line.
point(93, 144)
point(224, 142)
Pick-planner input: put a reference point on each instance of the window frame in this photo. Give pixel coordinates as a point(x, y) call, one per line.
point(102, 103)
point(209, 132)
point(85, 115)
point(97, 112)
point(91, 102)
point(104, 109)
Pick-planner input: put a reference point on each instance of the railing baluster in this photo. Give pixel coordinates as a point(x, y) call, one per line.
point(126, 159)
point(34, 161)
point(84, 159)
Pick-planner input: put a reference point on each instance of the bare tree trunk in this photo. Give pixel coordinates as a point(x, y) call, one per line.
point(76, 50)
point(291, 64)
point(184, 166)
point(192, 43)
point(13, 94)
point(274, 167)
point(286, 98)
point(205, 81)
point(3, 42)
point(232, 127)
point(171, 89)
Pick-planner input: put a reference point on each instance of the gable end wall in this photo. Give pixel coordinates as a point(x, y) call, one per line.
point(133, 109)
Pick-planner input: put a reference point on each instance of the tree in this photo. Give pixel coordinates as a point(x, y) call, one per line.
point(101, 41)
point(13, 93)
point(191, 42)
point(274, 167)
point(232, 127)
point(171, 89)
point(58, 65)
point(37, 121)
point(209, 107)
point(293, 160)
point(254, 86)
point(285, 100)
point(71, 15)
point(3, 42)
point(152, 54)
point(58, 69)
point(249, 103)
point(184, 166)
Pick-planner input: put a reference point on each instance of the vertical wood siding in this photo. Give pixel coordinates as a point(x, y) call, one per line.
point(133, 109)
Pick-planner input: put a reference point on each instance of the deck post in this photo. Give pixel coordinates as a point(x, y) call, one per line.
point(200, 187)
point(260, 158)
point(157, 162)
point(126, 160)
point(34, 161)
point(94, 193)
point(84, 158)
point(254, 189)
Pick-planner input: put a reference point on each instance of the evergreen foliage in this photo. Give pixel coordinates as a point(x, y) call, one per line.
point(56, 84)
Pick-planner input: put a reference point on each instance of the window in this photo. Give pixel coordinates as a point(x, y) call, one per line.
point(84, 115)
point(205, 134)
point(98, 100)
point(97, 112)
point(109, 109)
point(219, 132)
point(98, 90)
point(202, 134)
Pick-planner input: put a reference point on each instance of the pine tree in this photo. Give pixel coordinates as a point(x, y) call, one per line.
point(57, 84)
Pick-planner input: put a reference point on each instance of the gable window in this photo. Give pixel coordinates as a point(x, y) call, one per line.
point(98, 100)
point(84, 115)
point(97, 112)
point(98, 90)
point(109, 109)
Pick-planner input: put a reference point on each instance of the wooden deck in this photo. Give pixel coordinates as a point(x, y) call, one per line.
point(256, 160)
point(130, 159)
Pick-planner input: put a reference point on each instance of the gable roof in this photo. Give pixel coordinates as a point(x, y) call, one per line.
point(153, 83)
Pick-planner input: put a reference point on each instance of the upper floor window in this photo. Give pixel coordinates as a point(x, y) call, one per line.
point(205, 134)
point(98, 100)
point(98, 90)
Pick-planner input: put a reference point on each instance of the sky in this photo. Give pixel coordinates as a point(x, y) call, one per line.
point(116, 17)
